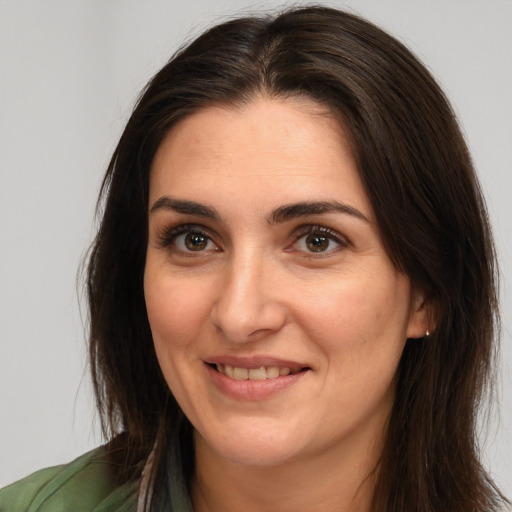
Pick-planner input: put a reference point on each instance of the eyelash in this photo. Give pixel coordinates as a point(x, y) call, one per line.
point(330, 234)
point(168, 238)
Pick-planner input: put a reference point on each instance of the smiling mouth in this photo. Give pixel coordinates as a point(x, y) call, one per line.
point(260, 373)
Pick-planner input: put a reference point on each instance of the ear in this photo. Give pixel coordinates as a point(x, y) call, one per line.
point(421, 318)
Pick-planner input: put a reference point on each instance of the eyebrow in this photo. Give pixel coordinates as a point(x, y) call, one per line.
point(280, 215)
point(296, 210)
point(185, 207)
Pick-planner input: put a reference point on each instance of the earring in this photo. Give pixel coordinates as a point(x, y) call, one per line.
point(427, 333)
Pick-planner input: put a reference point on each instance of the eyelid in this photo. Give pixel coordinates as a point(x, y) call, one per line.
point(330, 233)
point(168, 235)
point(307, 229)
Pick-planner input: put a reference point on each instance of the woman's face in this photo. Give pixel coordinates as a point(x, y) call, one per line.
point(278, 318)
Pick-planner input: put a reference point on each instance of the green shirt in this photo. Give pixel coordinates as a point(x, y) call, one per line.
point(86, 484)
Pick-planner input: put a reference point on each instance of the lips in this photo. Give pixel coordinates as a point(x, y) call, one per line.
point(254, 378)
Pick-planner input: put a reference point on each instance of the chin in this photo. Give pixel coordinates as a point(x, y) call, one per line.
point(256, 455)
point(255, 446)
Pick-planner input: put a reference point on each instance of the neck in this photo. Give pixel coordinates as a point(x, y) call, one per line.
point(339, 479)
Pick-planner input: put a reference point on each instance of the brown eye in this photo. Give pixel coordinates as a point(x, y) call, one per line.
point(188, 239)
point(195, 241)
point(320, 240)
point(317, 243)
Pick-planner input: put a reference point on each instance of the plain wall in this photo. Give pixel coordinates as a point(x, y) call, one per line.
point(69, 74)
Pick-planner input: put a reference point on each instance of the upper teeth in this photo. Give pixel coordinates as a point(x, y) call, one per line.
point(261, 373)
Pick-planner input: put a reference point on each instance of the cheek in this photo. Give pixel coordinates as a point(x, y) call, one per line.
point(176, 309)
point(176, 312)
point(360, 331)
point(359, 325)
point(351, 307)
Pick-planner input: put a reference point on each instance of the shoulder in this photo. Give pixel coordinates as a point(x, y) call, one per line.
point(85, 484)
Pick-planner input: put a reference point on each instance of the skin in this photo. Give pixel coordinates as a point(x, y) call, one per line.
point(255, 288)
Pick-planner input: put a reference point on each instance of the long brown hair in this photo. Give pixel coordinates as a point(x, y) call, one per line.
point(418, 175)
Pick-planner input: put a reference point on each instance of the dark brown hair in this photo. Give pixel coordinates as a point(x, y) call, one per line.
point(416, 170)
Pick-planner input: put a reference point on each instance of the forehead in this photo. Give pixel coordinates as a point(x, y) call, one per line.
point(290, 148)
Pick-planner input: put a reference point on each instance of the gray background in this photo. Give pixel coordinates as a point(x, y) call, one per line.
point(69, 74)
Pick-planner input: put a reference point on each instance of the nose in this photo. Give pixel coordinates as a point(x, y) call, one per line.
point(247, 306)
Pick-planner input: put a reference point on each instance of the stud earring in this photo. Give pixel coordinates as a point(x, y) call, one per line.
point(427, 333)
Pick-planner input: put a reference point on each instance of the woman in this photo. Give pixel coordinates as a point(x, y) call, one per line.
point(292, 291)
